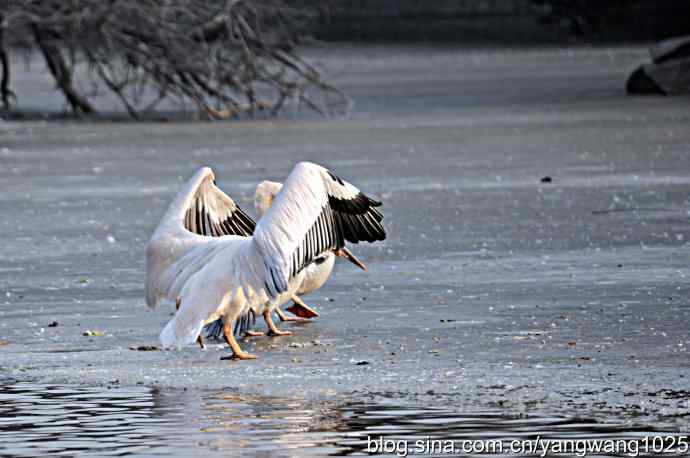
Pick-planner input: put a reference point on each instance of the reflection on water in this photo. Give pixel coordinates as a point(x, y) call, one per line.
point(317, 429)
point(52, 420)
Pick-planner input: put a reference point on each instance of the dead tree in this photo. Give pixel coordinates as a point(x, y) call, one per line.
point(5, 93)
point(222, 56)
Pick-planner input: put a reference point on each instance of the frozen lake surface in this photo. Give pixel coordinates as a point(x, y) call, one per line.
point(496, 296)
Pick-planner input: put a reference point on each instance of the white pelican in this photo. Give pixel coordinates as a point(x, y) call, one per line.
point(229, 273)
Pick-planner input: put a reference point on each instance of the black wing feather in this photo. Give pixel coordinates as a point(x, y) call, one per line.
point(199, 221)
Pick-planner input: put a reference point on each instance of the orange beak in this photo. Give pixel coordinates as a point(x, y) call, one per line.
point(347, 254)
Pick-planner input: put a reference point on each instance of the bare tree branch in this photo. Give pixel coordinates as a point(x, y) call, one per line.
point(223, 56)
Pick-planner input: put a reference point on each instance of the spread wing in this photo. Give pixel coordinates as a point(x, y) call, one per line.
point(213, 213)
point(314, 212)
point(199, 214)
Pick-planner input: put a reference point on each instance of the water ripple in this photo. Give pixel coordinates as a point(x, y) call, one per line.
point(54, 420)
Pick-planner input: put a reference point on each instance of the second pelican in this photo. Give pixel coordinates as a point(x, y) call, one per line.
point(317, 272)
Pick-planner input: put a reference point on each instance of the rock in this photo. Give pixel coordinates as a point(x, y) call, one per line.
point(667, 74)
point(639, 83)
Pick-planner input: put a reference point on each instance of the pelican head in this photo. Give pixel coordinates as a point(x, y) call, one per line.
point(264, 195)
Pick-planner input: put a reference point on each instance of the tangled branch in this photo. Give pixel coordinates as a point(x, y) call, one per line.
point(223, 56)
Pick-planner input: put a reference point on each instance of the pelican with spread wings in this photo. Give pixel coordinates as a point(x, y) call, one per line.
point(234, 270)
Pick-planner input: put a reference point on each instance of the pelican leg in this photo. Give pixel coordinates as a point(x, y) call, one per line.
point(272, 328)
point(251, 333)
point(237, 351)
point(284, 317)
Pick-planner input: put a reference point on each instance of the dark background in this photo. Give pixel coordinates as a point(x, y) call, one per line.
point(501, 21)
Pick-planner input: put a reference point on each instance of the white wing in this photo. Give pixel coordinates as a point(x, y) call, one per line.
point(200, 214)
point(314, 212)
